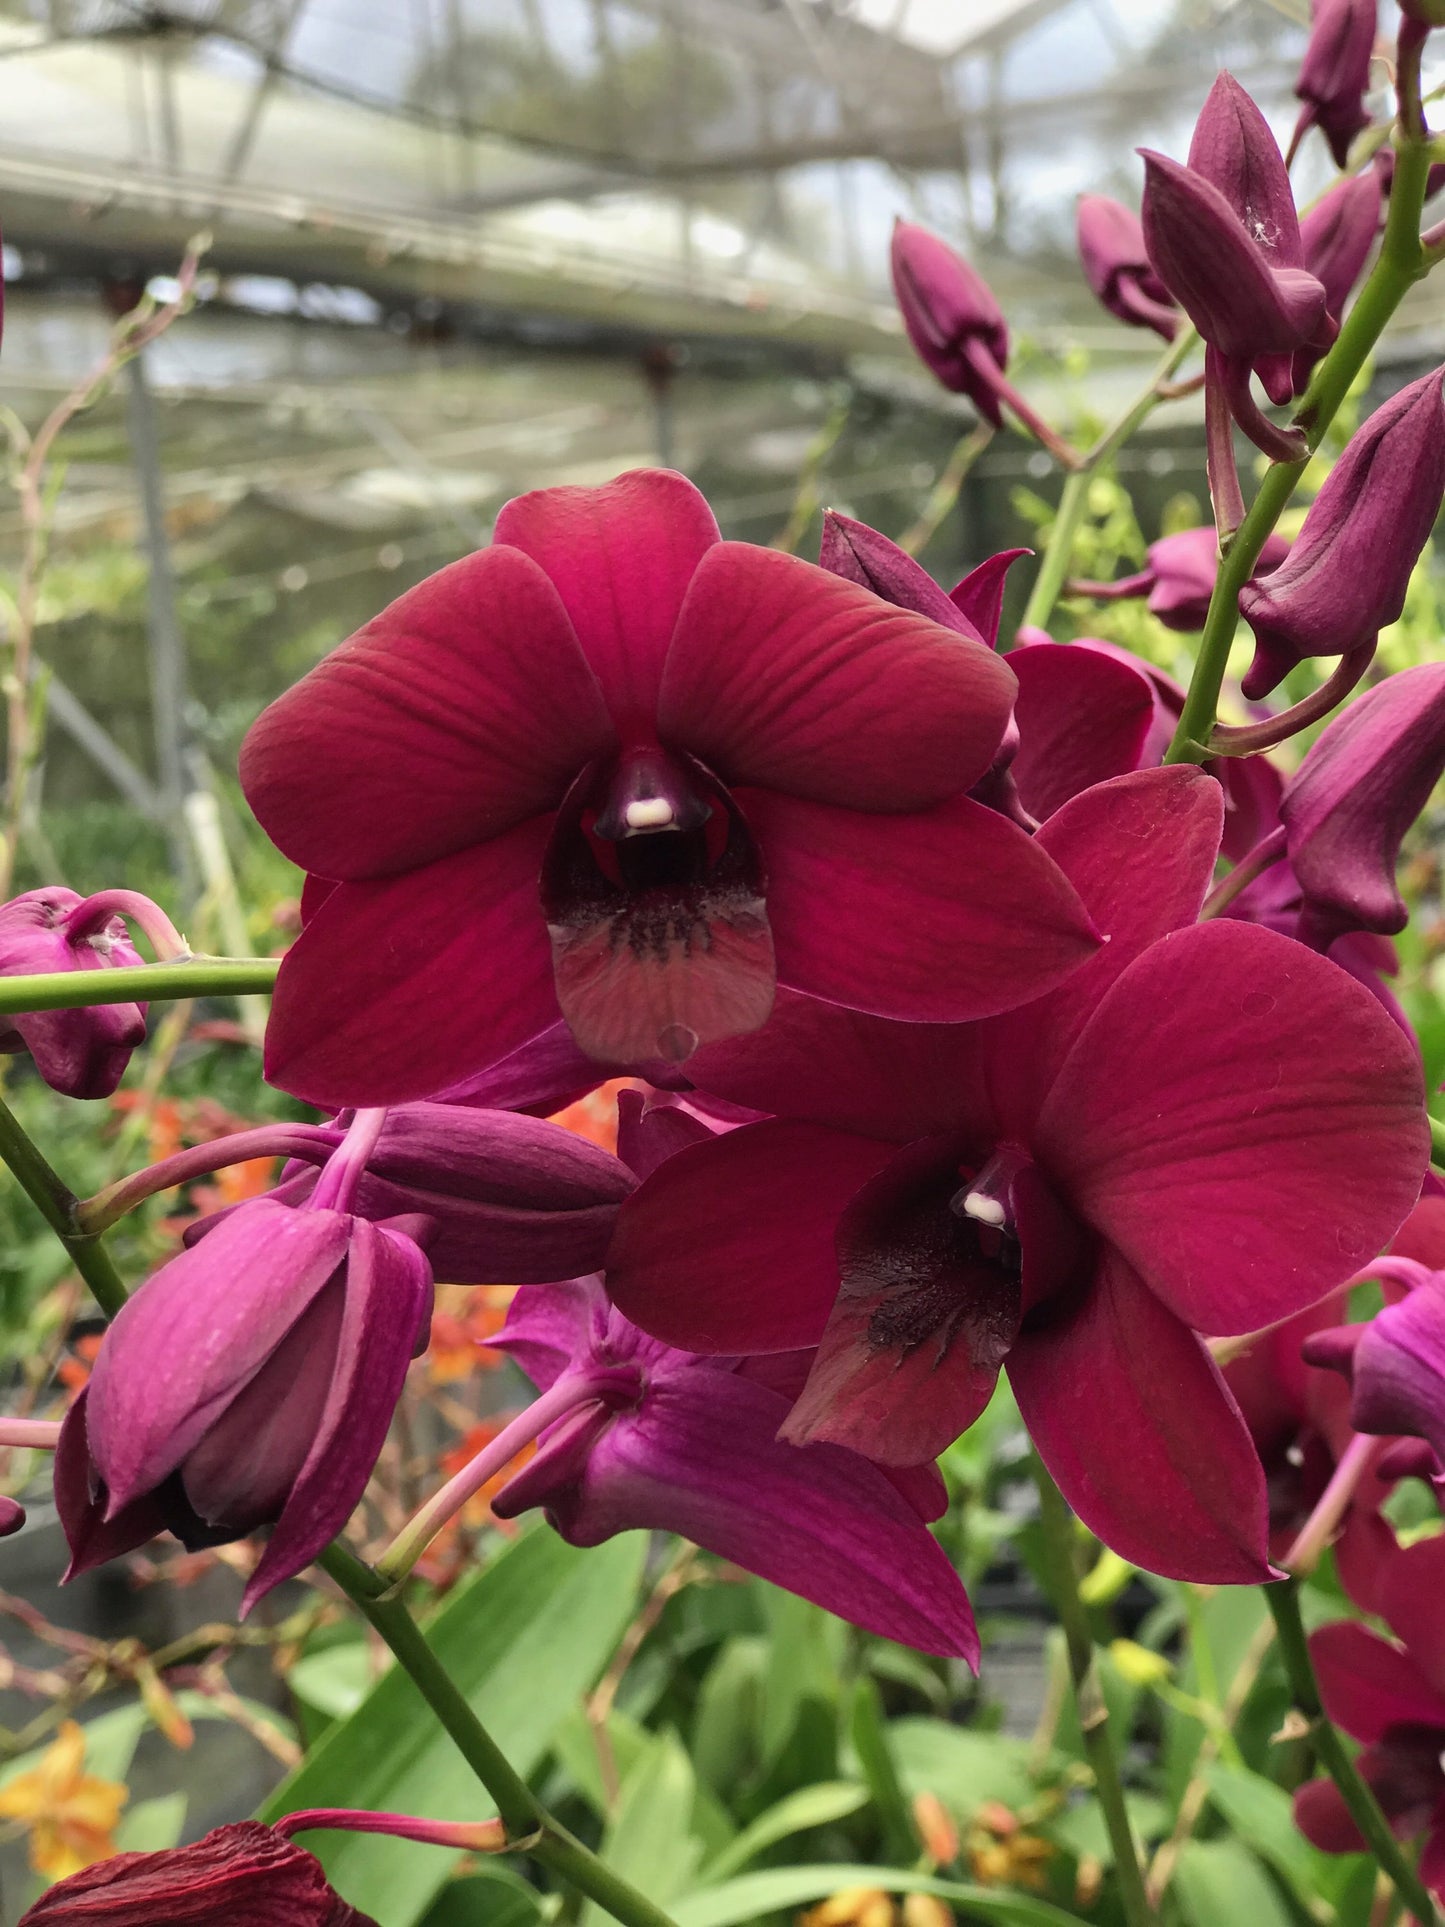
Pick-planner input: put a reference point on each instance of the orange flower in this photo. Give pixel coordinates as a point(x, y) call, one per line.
point(595, 1116)
point(852, 1907)
point(70, 1816)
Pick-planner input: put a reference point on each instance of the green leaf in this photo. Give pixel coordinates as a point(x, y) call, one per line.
point(811, 1806)
point(880, 1769)
point(650, 1840)
point(575, 1745)
point(336, 1680)
point(727, 1728)
point(1081, 1830)
point(522, 1640)
point(1218, 1881)
point(753, 1895)
point(1262, 1814)
point(151, 1826)
point(963, 1768)
point(491, 1897)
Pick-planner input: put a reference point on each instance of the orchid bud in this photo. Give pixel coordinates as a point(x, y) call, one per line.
point(81, 1053)
point(1338, 234)
point(951, 316)
point(246, 1875)
point(12, 1516)
point(1346, 575)
point(860, 554)
point(1355, 795)
point(1179, 580)
point(1395, 1364)
point(1116, 266)
point(248, 1382)
point(1334, 76)
point(1424, 13)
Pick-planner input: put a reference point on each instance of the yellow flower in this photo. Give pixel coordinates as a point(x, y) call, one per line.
point(852, 1907)
point(71, 1816)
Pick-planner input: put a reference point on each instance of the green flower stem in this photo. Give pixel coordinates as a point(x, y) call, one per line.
point(139, 983)
point(1402, 261)
point(1059, 549)
point(1058, 1523)
point(1282, 1599)
point(526, 1820)
point(56, 1204)
point(1437, 1142)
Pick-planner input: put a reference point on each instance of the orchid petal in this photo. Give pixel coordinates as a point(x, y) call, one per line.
point(1410, 1593)
point(1198, 1125)
point(792, 679)
point(388, 1293)
point(1136, 1426)
point(728, 1246)
point(93, 1538)
point(464, 708)
point(979, 597)
point(1082, 716)
point(548, 1328)
point(1367, 1685)
point(950, 914)
point(621, 557)
point(396, 989)
point(701, 1459)
point(1323, 1818)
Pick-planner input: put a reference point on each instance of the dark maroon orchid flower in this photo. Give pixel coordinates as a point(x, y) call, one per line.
point(1346, 575)
point(492, 1198)
point(1224, 237)
point(1334, 76)
point(248, 1382)
point(81, 1053)
point(245, 1875)
point(1394, 1362)
point(1391, 1696)
point(1179, 580)
point(1048, 1189)
point(637, 1434)
point(1347, 808)
point(1338, 233)
point(710, 754)
point(1117, 266)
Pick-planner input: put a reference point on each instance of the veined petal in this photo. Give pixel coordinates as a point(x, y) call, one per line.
point(701, 1458)
point(621, 557)
point(397, 989)
point(1082, 716)
point(549, 1327)
point(388, 1293)
point(787, 677)
point(92, 1538)
point(948, 915)
point(1136, 1426)
point(196, 1332)
point(1199, 1126)
point(1367, 1685)
point(1410, 1594)
point(728, 1246)
point(461, 710)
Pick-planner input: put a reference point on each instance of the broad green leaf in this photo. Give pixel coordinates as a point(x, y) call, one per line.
point(963, 1768)
point(336, 1680)
point(650, 1840)
point(727, 1728)
point(811, 1806)
point(1219, 1883)
point(152, 1825)
point(522, 1640)
point(494, 1896)
point(576, 1746)
point(754, 1895)
point(871, 1742)
point(1262, 1814)
point(1081, 1831)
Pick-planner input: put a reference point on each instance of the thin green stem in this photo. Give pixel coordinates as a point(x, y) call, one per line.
point(1058, 1526)
point(523, 1815)
point(1401, 263)
point(1437, 1142)
point(139, 983)
point(1059, 549)
point(56, 1203)
point(1282, 1599)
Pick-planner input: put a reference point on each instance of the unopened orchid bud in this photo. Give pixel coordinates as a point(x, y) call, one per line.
point(951, 316)
point(1338, 233)
point(860, 554)
point(1334, 76)
point(1346, 575)
point(246, 1875)
point(1117, 267)
point(1179, 580)
point(248, 1382)
point(1356, 793)
point(81, 1053)
point(12, 1516)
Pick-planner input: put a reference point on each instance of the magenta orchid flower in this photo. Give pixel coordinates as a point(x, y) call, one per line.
point(1334, 76)
point(1154, 1150)
point(248, 1382)
point(245, 1875)
point(1394, 1362)
point(617, 770)
point(1179, 580)
point(1117, 267)
point(81, 1053)
point(636, 1434)
point(1391, 1696)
